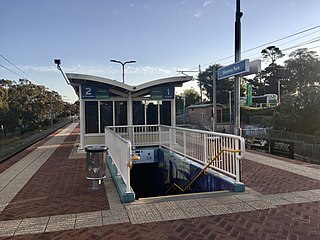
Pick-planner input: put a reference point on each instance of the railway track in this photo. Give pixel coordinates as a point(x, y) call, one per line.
point(11, 149)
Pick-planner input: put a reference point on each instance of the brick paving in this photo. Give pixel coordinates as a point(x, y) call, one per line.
point(280, 203)
point(58, 187)
point(270, 180)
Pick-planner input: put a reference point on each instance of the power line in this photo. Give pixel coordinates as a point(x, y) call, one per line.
point(18, 69)
point(11, 71)
point(263, 45)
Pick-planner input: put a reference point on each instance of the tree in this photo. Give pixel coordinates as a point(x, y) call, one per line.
point(258, 85)
point(299, 113)
point(272, 53)
point(302, 70)
point(223, 86)
point(187, 98)
point(273, 73)
point(300, 108)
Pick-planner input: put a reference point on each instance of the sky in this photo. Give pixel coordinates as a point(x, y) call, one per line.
point(162, 36)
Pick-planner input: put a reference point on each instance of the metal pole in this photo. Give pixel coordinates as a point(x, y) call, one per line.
point(200, 85)
point(184, 109)
point(279, 92)
point(122, 63)
point(237, 130)
point(214, 100)
point(122, 72)
point(230, 111)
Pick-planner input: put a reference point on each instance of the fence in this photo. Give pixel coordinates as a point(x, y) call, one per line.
point(120, 151)
point(305, 146)
point(200, 146)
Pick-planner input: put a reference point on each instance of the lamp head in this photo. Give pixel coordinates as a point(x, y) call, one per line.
point(57, 61)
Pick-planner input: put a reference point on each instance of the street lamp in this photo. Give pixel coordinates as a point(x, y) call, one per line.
point(122, 63)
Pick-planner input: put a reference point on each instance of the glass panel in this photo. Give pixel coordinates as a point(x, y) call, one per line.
point(138, 113)
point(106, 114)
point(121, 113)
point(91, 117)
point(152, 113)
point(165, 113)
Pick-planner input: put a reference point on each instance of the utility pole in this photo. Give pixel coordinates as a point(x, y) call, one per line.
point(200, 85)
point(214, 99)
point(237, 79)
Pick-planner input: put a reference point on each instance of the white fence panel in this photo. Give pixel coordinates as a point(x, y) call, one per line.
point(120, 151)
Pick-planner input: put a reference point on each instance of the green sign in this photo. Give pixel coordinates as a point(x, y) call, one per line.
point(156, 93)
point(102, 93)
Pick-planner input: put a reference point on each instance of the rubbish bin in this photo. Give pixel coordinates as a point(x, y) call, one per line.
point(96, 164)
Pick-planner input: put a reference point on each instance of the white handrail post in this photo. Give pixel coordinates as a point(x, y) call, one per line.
point(237, 169)
point(184, 144)
point(170, 139)
point(205, 147)
point(129, 153)
point(160, 136)
point(133, 138)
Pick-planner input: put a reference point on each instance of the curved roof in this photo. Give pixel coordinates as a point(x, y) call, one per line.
point(76, 79)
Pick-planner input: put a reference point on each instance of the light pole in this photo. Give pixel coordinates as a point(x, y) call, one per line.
point(230, 111)
point(237, 79)
point(122, 63)
point(214, 98)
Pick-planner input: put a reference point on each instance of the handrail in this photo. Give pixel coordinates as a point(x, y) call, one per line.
point(202, 171)
point(133, 159)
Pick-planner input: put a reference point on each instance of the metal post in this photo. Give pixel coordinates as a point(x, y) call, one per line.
point(214, 100)
point(279, 92)
point(123, 64)
point(184, 109)
point(122, 72)
point(237, 78)
point(230, 110)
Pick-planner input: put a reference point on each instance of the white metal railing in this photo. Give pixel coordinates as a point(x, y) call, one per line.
point(120, 151)
point(139, 135)
point(200, 146)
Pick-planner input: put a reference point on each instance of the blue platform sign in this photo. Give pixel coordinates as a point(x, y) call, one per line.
point(162, 92)
point(94, 92)
point(168, 92)
point(234, 69)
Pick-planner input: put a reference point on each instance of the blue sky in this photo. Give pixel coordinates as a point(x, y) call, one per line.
point(163, 36)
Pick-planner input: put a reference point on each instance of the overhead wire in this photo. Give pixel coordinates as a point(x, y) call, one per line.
point(18, 69)
point(11, 71)
point(274, 41)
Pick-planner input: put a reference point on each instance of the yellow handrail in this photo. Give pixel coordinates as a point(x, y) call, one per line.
point(202, 171)
point(134, 158)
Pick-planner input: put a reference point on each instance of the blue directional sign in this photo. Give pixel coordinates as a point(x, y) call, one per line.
point(234, 69)
point(162, 92)
point(94, 92)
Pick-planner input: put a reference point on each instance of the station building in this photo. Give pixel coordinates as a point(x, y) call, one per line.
point(105, 102)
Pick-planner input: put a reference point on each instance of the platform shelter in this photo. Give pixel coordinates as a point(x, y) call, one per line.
point(106, 102)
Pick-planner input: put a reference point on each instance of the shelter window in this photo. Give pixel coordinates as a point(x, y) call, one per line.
point(138, 113)
point(91, 116)
point(121, 113)
point(106, 114)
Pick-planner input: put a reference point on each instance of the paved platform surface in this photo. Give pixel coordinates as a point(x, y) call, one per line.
point(44, 195)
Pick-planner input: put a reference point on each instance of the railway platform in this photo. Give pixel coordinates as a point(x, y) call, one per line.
point(44, 194)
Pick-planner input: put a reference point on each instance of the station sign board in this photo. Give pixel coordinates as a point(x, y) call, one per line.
point(162, 92)
point(282, 148)
point(94, 92)
point(234, 69)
